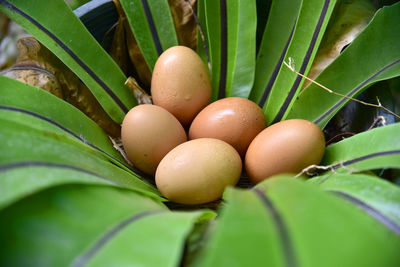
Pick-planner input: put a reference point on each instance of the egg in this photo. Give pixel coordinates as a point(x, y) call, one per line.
point(180, 83)
point(234, 120)
point(198, 171)
point(148, 133)
point(285, 147)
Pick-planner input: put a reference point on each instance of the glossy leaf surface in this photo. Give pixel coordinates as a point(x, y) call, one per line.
point(243, 218)
point(231, 34)
point(373, 193)
point(37, 145)
point(21, 98)
point(67, 198)
point(156, 240)
point(152, 25)
point(348, 19)
point(21, 179)
point(69, 40)
point(310, 26)
point(373, 56)
point(373, 149)
point(275, 41)
point(295, 227)
point(54, 227)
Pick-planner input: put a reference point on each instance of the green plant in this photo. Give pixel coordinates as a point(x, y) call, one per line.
point(67, 197)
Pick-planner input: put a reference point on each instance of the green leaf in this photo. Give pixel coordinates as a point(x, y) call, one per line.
point(374, 194)
point(152, 25)
point(286, 222)
point(163, 22)
point(348, 19)
point(373, 56)
point(310, 26)
point(241, 42)
point(68, 39)
point(202, 42)
point(156, 240)
point(241, 232)
point(54, 227)
point(38, 146)
point(76, 3)
point(211, 25)
point(274, 44)
point(21, 179)
point(231, 34)
point(21, 98)
point(326, 230)
point(373, 149)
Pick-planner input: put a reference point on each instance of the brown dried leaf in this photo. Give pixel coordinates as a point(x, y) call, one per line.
point(348, 20)
point(118, 50)
point(4, 21)
point(136, 56)
point(184, 21)
point(43, 68)
point(140, 66)
point(140, 94)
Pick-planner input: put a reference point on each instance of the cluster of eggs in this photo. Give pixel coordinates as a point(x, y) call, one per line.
point(223, 135)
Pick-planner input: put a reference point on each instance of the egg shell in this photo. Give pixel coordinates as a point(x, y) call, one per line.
point(148, 133)
point(285, 147)
point(198, 171)
point(234, 120)
point(180, 83)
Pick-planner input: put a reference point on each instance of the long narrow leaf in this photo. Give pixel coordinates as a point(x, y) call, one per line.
point(241, 46)
point(328, 230)
point(376, 195)
point(35, 145)
point(156, 240)
point(243, 218)
point(69, 40)
point(277, 36)
point(286, 222)
point(231, 33)
point(57, 225)
point(163, 22)
point(22, 98)
point(373, 56)
point(212, 27)
point(151, 23)
point(21, 179)
point(374, 149)
point(310, 26)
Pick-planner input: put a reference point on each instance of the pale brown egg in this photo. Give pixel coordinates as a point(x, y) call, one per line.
point(285, 147)
point(148, 133)
point(234, 120)
point(198, 171)
point(180, 83)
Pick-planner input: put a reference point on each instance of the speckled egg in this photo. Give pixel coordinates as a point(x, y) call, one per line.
point(180, 83)
point(285, 147)
point(148, 133)
point(234, 120)
point(198, 171)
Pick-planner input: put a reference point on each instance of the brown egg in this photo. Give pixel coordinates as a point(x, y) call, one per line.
point(285, 147)
point(198, 171)
point(148, 133)
point(234, 120)
point(181, 83)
